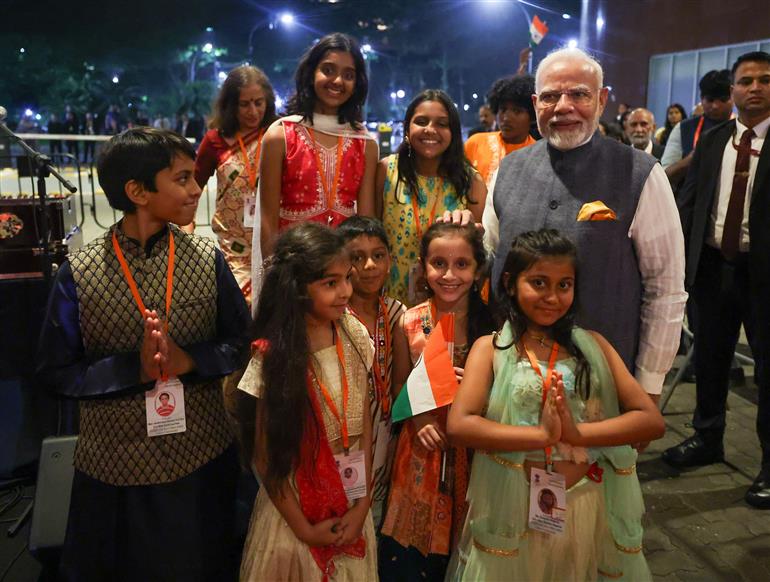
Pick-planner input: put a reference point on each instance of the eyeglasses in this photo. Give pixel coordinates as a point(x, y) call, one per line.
point(574, 96)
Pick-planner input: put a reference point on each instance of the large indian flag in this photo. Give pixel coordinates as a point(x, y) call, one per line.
point(432, 383)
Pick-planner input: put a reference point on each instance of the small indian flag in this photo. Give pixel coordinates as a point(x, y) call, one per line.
point(537, 31)
point(432, 383)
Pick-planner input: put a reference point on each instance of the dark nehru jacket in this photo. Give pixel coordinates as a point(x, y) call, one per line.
point(542, 187)
point(113, 446)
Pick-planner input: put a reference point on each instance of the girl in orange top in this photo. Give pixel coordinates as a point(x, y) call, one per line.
point(426, 506)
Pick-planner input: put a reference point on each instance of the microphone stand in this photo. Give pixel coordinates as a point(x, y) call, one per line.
point(44, 169)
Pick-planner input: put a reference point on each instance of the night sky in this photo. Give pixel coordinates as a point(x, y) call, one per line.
point(139, 40)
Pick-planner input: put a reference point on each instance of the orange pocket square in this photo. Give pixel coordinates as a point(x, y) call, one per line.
point(596, 210)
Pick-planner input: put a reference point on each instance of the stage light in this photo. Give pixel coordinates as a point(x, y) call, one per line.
point(466, 107)
point(278, 103)
point(286, 18)
point(392, 94)
point(599, 23)
point(115, 79)
point(209, 29)
point(28, 112)
point(475, 95)
point(566, 16)
point(22, 50)
point(222, 76)
point(400, 93)
point(572, 43)
point(366, 48)
point(207, 48)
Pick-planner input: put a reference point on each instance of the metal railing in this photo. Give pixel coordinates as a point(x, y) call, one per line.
point(17, 177)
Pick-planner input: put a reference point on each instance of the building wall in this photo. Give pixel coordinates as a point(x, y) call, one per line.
point(634, 30)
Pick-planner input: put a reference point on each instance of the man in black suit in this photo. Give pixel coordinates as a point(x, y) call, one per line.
point(640, 127)
point(725, 211)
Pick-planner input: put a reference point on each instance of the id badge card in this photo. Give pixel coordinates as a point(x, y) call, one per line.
point(164, 406)
point(249, 210)
point(547, 502)
point(417, 291)
point(352, 468)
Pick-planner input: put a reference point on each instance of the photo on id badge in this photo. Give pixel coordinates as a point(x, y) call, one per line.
point(352, 470)
point(165, 404)
point(547, 502)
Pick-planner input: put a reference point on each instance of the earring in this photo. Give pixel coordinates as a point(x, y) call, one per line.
point(408, 147)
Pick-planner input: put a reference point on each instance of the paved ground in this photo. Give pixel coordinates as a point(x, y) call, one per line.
point(697, 526)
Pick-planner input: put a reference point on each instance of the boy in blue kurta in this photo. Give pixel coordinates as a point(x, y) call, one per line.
point(142, 325)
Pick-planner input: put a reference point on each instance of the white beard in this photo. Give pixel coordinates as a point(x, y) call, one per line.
point(567, 140)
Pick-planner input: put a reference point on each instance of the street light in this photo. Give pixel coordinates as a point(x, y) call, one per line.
point(285, 18)
point(599, 23)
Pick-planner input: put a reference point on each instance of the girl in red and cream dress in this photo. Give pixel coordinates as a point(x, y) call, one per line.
point(318, 164)
point(309, 376)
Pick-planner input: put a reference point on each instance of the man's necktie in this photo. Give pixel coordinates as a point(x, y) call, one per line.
point(731, 233)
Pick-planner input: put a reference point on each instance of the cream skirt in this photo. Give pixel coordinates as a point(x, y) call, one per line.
point(273, 553)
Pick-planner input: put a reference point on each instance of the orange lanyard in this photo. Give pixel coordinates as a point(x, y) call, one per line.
point(416, 212)
point(698, 129)
point(343, 420)
point(546, 385)
point(132, 283)
point(380, 373)
point(331, 195)
point(252, 168)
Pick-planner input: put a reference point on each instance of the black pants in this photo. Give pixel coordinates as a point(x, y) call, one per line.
point(723, 300)
point(175, 531)
point(396, 563)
